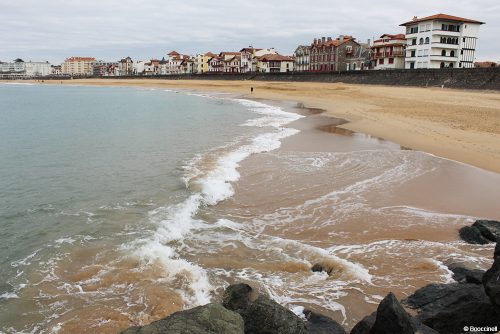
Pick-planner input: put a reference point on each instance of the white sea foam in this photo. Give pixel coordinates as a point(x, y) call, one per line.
point(9, 295)
point(447, 275)
point(176, 222)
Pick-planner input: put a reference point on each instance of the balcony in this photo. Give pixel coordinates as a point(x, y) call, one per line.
point(443, 58)
point(440, 32)
point(389, 54)
point(445, 45)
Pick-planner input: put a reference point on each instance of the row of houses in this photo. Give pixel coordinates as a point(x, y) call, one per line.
point(437, 41)
point(246, 60)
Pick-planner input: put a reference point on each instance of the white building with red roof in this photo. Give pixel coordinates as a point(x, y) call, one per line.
point(441, 41)
point(388, 52)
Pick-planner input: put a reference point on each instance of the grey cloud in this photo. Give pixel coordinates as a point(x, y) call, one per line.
point(110, 29)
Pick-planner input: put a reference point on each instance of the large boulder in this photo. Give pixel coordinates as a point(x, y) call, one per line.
point(490, 229)
point(491, 282)
point(448, 308)
point(209, 319)
point(497, 251)
point(472, 235)
point(462, 274)
point(391, 317)
point(366, 324)
point(261, 315)
point(320, 324)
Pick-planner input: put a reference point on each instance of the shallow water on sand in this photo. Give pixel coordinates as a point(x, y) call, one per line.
point(135, 215)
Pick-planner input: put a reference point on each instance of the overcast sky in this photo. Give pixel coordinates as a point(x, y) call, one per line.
point(143, 29)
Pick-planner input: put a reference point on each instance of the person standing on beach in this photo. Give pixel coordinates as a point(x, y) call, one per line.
point(251, 89)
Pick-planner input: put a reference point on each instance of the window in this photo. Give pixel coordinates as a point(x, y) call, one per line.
point(442, 65)
point(391, 60)
point(452, 53)
point(460, 65)
point(413, 53)
point(381, 61)
point(421, 41)
point(427, 40)
point(413, 30)
point(443, 53)
point(414, 41)
point(451, 65)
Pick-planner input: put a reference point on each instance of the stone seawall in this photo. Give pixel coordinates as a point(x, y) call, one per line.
point(473, 78)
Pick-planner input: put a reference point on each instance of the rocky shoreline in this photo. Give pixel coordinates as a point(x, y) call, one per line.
point(471, 305)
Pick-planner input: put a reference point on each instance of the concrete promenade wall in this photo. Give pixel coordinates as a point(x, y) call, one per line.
point(472, 78)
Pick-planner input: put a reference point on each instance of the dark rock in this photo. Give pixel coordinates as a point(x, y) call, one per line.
point(420, 328)
point(391, 317)
point(237, 297)
point(490, 229)
point(447, 308)
point(209, 319)
point(365, 325)
point(491, 282)
point(318, 267)
point(497, 251)
point(472, 235)
point(320, 324)
point(463, 274)
point(262, 315)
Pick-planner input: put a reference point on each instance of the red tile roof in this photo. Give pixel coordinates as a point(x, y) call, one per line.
point(397, 36)
point(274, 57)
point(444, 17)
point(174, 53)
point(80, 59)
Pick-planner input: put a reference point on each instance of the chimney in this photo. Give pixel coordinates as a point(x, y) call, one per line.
point(414, 18)
point(329, 39)
point(369, 41)
point(323, 39)
point(315, 41)
point(341, 38)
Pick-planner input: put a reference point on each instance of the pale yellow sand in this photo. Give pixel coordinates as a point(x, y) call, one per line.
point(455, 124)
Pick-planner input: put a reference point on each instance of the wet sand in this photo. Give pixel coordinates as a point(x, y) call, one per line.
point(456, 124)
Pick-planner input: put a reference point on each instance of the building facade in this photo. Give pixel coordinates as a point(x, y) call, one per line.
point(78, 66)
point(302, 58)
point(20, 68)
point(126, 66)
point(340, 54)
point(388, 52)
point(274, 63)
point(440, 41)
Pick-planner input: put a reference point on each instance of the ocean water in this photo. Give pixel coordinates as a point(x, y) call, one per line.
point(86, 175)
point(119, 206)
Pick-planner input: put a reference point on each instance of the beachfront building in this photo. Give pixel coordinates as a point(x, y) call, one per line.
point(103, 68)
point(215, 65)
point(152, 67)
point(201, 62)
point(231, 62)
point(55, 70)
point(249, 57)
point(78, 66)
point(302, 58)
point(20, 68)
point(274, 63)
point(176, 64)
point(340, 54)
point(138, 67)
point(441, 41)
point(388, 52)
point(125, 66)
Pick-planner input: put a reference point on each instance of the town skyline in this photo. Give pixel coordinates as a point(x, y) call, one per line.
point(53, 32)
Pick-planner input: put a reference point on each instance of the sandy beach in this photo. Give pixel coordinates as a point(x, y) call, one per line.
point(455, 124)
